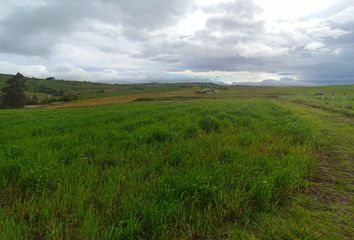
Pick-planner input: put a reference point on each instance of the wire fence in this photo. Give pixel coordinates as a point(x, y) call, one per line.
point(333, 101)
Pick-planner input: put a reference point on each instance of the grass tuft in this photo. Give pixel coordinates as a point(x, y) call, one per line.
point(209, 125)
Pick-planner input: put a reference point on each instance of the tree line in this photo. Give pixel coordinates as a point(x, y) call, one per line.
point(13, 94)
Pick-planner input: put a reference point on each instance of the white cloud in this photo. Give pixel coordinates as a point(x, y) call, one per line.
point(345, 16)
point(283, 9)
point(258, 50)
point(313, 46)
point(27, 70)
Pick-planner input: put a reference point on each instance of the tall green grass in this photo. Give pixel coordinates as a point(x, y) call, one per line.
point(148, 170)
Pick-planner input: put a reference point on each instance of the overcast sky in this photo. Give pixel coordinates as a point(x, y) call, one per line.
point(307, 41)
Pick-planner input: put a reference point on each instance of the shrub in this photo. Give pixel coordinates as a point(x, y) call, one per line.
point(70, 97)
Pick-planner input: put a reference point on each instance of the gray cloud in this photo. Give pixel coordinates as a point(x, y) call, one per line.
point(35, 31)
point(133, 39)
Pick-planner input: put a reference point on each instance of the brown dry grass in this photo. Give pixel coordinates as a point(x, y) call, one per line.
point(123, 99)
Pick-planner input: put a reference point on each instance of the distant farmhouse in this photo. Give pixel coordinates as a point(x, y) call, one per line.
point(207, 91)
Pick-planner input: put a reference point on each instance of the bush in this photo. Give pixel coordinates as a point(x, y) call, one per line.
point(70, 97)
point(34, 100)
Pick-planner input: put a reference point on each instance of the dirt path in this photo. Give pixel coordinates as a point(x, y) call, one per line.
point(329, 205)
point(123, 99)
point(325, 209)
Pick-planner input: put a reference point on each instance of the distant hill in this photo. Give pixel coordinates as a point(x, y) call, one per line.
point(271, 82)
point(56, 90)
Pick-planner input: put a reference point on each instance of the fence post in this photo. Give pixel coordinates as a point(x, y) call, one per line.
point(344, 99)
point(323, 100)
point(332, 101)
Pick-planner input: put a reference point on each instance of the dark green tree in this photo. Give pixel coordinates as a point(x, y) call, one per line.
point(13, 95)
point(35, 100)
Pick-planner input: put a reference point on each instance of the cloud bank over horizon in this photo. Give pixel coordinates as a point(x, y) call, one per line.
point(309, 42)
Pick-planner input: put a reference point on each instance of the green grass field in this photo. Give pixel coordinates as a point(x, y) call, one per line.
point(148, 170)
point(243, 163)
